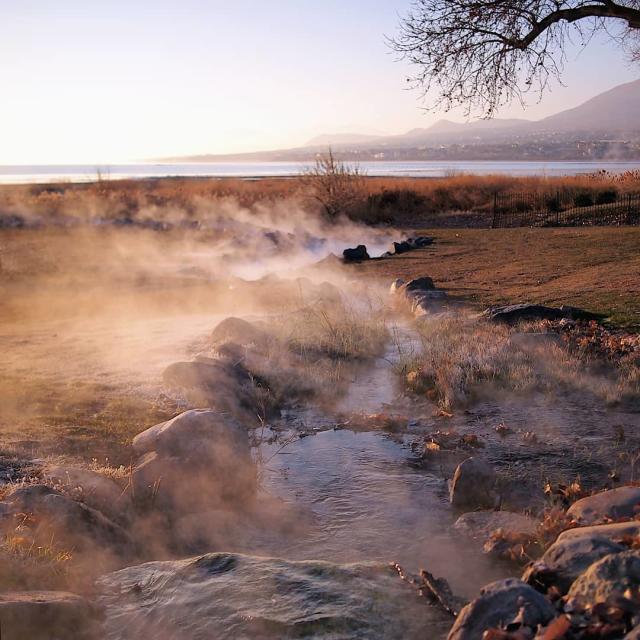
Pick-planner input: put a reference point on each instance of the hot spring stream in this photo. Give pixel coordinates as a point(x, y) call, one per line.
point(353, 504)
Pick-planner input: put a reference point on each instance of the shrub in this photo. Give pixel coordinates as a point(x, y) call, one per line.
point(583, 199)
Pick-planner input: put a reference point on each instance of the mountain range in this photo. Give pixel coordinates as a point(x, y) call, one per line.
point(606, 126)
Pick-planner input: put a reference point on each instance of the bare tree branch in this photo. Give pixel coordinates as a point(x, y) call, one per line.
point(485, 53)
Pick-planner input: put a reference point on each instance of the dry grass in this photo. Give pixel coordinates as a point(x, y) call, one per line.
point(594, 268)
point(463, 358)
point(383, 199)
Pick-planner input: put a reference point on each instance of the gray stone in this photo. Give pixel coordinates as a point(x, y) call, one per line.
point(184, 485)
point(196, 432)
point(610, 576)
point(566, 559)
point(480, 524)
point(614, 531)
point(472, 485)
point(46, 615)
point(500, 604)
point(623, 502)
point(239, 331)
point(94, 489)
point(514, 313)
point(355, 255)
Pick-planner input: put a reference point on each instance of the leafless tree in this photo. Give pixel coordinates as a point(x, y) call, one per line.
point(484, 53)
point(337, 186)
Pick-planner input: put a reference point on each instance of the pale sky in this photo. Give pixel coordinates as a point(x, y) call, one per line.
point(125, 80)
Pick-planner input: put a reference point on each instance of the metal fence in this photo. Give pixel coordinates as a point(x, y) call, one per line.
point(565, 209)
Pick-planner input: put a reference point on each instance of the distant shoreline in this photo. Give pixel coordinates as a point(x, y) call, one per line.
point(252, 171)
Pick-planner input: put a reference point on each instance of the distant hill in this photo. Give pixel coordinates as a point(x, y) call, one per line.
point(615, 110)
point(584, 132)
point(329, 139)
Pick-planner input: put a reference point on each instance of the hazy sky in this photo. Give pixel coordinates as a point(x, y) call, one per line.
point(118, 80)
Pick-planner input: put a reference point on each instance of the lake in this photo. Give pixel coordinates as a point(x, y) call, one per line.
point(29, 174)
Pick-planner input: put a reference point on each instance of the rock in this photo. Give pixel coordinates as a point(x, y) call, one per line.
point(420, 293)
point(614, 531)
point(566, 559)
point(500, 604)
point(94, 489)
point(472, 485)
point(513, 313)
point(198, 460)
point(226, 595)
point(239, 331)
point(69, 520)
point(610, 576)
point(355, 255)
point(421, 241)
point(47, 615)
point(420, 284)
point(400, 247)
point(623, 502)
point(480, 524)
point(193, 433)
point(225, 384)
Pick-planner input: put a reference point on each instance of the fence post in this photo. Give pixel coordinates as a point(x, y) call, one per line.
point(495, 209)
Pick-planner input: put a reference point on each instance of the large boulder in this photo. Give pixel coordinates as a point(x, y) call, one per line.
point(480, 524)
point(473, 484)
point(615, 531)
point(222, 383)
point(514, 313)
point(193, 433)
point(502, 603)
point(623, 502)
point(179, 486)
point(239, 331)
point(47, 615)
point(609, 577)
point(421, 294)
point(196, 461)
point(92, 488)
point(355, 255)
point(566, 559)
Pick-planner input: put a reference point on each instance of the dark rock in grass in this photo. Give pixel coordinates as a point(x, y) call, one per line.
point(355, 255)
point(419, 284)
point(615, 504)
point(420, 293)
point(514, 313)
point(69, 521)
point(92, 488)
point(566, 559)
point(400, 247)
point(472, 485)
point(239, 331)
point(609, 577)
point(502, 603)
point(225, 384)
point(47, 615)
point(420, 241)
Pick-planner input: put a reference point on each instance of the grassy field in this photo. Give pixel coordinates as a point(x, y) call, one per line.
point(594, 268)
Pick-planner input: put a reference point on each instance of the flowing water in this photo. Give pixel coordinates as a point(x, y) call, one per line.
point(347, 505)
